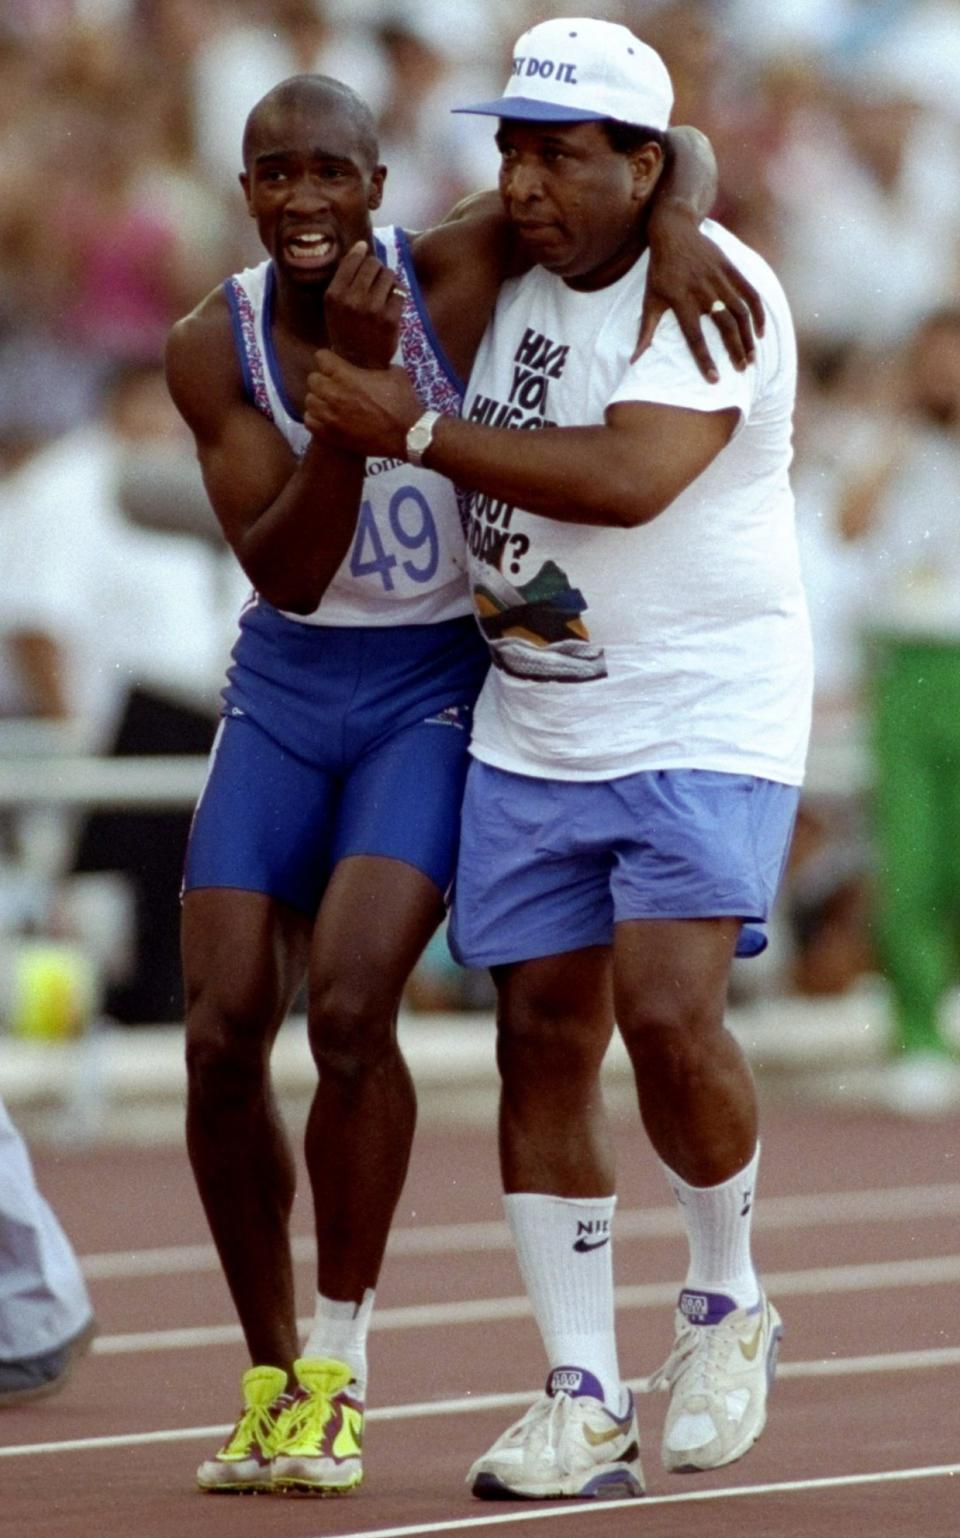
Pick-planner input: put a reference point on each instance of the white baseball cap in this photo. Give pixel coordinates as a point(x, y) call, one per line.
point(576, 69)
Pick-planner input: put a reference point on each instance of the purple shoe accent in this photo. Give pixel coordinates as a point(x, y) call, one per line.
point(576, 1382)
point(704, 1307)
point(613, 1484)
point(773, 1356)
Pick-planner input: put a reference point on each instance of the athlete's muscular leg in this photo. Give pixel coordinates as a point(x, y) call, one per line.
point(243, 956)
point(554, 1022)
point(376, 917)
point(694, 1084)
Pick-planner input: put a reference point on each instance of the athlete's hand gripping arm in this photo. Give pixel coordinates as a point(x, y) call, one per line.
point(688, 273)
point(289, 522)
point(617, 475)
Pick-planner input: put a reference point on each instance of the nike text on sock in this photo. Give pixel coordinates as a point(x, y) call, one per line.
point(564, 1248)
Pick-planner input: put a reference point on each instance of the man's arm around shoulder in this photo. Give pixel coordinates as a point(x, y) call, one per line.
point(460, 265)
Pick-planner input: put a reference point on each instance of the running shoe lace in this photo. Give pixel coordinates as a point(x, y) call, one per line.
point(553, 1423)
point(543, 1426)
point(256, 1425)
point(303, 1423)
point(697, 1352)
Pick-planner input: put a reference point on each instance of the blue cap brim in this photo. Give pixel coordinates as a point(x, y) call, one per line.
point(528, 108)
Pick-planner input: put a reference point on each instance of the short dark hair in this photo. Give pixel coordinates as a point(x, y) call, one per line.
point(326, 90)
point(626, 137)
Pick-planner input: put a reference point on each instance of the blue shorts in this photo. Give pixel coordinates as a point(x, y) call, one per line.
point(549, 866)
point(335, 742)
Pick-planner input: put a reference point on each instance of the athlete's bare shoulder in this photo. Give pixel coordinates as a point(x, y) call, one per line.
point(202, 369)
point(460, 265)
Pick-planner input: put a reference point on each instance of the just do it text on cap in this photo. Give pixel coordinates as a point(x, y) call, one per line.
point(579, 70)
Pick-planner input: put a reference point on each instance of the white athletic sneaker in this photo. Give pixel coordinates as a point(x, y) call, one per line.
point(567, 1444)
point(719, 1373)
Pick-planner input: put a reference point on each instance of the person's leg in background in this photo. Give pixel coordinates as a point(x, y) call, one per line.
point(46, 1318)
point(916, 766)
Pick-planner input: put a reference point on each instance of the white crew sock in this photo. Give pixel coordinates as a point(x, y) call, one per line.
point(718, 1220)
point(340, 1330)
point(564, 1247)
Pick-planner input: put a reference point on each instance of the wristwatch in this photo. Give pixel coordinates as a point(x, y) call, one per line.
point(420, 436)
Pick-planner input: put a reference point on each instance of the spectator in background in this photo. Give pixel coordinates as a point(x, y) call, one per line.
point(255, 45)
point(876, 242)
point(46, 1319)
point(122, 270)
point(96, 268)
point(109, 604)
point(121, 631)
point(828, 948)
point(435, 55)
point(902, 514)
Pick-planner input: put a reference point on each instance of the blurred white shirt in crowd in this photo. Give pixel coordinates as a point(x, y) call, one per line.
point(241, 64)
point(125, 605)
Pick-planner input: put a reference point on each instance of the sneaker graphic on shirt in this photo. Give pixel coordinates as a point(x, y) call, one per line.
point(535, 630)
point(568, 1445)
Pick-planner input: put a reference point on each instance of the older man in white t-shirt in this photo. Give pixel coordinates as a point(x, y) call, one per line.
point(638, 746)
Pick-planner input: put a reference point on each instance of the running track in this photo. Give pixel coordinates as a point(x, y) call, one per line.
point(857, 1234)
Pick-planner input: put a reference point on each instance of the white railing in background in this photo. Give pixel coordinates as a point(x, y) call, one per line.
point(67, 778)
point(148, 783)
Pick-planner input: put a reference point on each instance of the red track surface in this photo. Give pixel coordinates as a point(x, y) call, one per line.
point(823, 1427)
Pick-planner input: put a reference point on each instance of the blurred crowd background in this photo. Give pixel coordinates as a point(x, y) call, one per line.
point(836, 125)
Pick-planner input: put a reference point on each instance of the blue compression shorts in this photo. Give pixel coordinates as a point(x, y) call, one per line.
point(336, 741)
point(549, 866)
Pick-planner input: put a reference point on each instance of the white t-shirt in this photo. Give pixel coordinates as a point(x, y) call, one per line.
point(683, 643)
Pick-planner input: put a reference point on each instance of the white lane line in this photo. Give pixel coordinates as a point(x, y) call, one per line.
point(879, 1276)
point(598, 1509)
point(476, 1404)
point(773, 1212)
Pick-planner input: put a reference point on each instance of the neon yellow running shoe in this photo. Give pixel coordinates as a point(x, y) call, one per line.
point(318, 1444)
point(243, 1463)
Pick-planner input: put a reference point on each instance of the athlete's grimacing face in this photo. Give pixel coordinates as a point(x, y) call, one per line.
point(311, 188)
point(573, 199)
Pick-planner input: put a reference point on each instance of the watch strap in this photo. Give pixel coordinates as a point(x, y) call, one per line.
point(420, 435)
